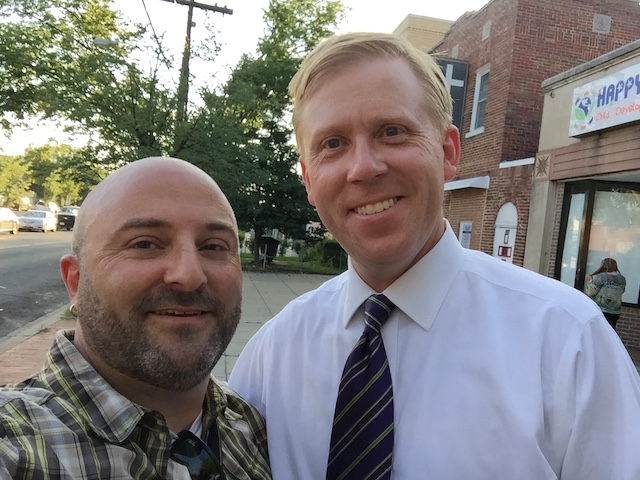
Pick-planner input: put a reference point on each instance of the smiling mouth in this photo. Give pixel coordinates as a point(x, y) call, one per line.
point(378, 207)
point(175, 313)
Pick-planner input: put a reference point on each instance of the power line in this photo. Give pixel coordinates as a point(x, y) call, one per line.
point(155, 36)
point(183, 86)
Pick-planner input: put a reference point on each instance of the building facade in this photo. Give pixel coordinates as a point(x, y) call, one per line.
point(585, 201)
point(423, 31)
point(511, 47)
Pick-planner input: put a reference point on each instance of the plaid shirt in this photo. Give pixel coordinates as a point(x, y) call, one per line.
point(67, 422)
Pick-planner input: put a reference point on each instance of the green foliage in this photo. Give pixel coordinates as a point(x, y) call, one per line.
point(47, 54)
point(284, 246)
point(297, 246)
point(333, 253)
point(55, 174)
point(15, 179)
point(50, 65)
point(290, 264)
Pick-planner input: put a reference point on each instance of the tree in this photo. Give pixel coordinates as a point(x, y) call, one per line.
point(42, 44)
point(250, 121)
point(55, 173)
point(15, 179)
point(50, 65)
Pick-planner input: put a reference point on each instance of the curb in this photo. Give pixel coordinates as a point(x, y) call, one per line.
point(30, 329)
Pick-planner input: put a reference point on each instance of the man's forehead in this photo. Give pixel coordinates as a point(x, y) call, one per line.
point(153, 195)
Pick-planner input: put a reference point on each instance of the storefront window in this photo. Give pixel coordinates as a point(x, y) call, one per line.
point(615, 233)
point(572, 240)
point(601, 220)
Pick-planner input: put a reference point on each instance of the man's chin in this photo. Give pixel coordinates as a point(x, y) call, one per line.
point(174, 370)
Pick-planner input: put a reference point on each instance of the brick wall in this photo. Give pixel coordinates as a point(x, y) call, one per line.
point(511, 185)
point(464, 206)
point(529, 41)
point(628, 327)
point(553, 253)
point(551, 37)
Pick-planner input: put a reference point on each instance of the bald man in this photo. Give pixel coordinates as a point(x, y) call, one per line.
point(156, 283)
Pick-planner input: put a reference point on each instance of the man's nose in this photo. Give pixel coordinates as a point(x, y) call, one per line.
point(184, 269)
point(367, 161)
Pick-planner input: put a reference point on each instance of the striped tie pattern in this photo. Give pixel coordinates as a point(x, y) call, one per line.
point(362, 435)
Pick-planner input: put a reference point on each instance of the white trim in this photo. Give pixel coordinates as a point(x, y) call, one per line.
point(517, 163)
point(473, 133)
point(475, 182)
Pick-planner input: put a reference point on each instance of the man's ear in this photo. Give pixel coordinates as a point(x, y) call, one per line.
point(451, 149)
point(307, 183)
point(70, 268)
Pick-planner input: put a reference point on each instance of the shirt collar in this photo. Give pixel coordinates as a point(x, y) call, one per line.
point(71, 376)
point(108, 413)
point(420, 291)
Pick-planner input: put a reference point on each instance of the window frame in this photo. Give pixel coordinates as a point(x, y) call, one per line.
point(480, 73)
point(589, 189)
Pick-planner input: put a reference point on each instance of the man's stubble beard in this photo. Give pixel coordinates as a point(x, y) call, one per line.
point(129, 349)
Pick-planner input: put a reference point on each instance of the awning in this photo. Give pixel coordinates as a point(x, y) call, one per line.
point(475, 182)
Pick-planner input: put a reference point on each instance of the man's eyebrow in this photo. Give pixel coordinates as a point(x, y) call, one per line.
point(154, 223)
point(220, 226)
point(142, 222)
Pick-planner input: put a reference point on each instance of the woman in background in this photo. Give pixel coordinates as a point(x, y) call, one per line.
point(606, 286)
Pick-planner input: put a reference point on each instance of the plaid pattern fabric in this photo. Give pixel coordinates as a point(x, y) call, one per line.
point(67, 423)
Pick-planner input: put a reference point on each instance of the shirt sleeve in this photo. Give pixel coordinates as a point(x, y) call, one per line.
point(599, 389)
point(9, 456)
point(247, 376)
point(591, 289)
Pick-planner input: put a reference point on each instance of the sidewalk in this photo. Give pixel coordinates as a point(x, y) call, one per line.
point(264, 294)
point(24, 351)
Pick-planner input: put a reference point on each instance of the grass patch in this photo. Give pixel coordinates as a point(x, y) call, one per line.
point(289, 265)
point(67, 315)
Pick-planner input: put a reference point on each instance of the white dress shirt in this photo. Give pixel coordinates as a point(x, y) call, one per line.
point(498, 373)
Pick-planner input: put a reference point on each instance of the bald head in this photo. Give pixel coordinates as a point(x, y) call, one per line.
point(156, 275)
point(152, 171)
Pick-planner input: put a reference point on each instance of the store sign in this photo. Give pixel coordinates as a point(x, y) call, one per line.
point(607, 102)
point(465, 234)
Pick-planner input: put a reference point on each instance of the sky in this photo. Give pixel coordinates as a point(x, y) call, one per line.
point(239, 33)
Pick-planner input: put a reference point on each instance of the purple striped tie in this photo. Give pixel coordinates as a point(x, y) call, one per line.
point(362, 435)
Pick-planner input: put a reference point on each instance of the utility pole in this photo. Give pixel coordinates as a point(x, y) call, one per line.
point(183, 85)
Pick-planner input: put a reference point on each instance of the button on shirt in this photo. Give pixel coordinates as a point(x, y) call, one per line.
point(68, 423)
point(498, 373)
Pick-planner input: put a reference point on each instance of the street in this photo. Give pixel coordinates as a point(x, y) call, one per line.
point(30, 281)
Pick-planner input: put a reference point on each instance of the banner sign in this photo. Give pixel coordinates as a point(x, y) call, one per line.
point(607, 102)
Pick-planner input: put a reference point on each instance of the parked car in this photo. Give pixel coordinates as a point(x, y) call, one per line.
point(38, 220)
point(8, 221)
point(67, 217)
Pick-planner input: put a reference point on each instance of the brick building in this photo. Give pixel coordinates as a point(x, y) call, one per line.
point(511, 47)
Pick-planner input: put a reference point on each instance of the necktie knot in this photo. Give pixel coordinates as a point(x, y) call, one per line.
point(377, 309)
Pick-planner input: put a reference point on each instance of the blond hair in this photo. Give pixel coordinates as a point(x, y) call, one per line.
point(342, 51)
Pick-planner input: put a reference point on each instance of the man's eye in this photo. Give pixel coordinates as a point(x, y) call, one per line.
point(215, 247)
point(145, 244)
point(333, 143)
point(392, 131)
